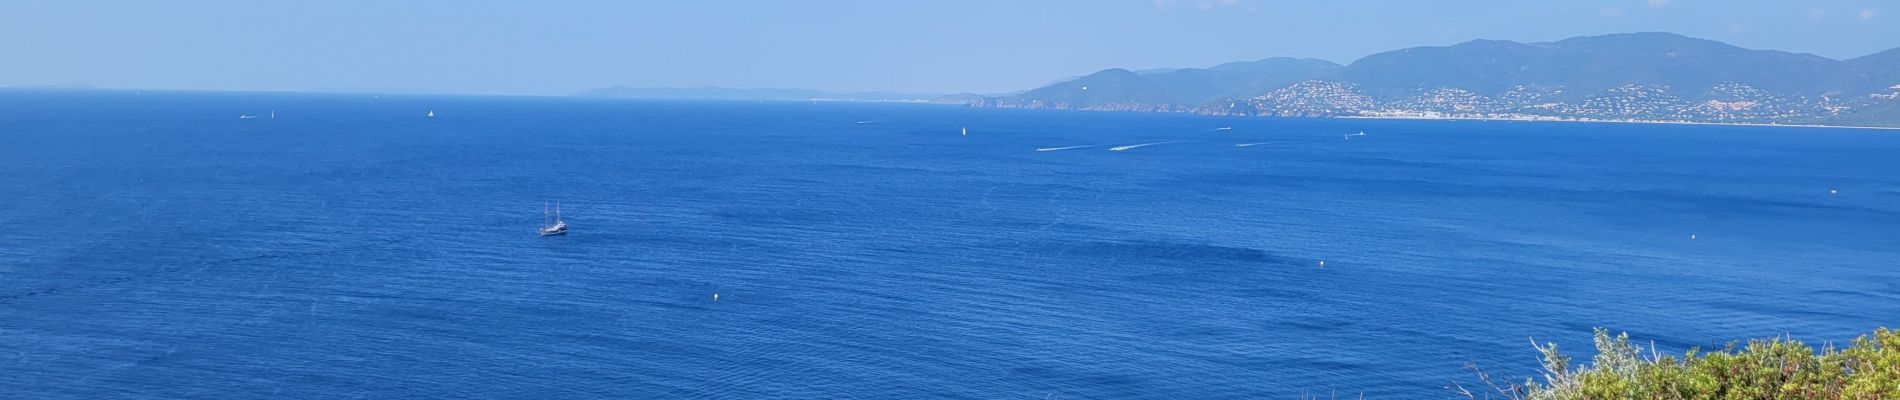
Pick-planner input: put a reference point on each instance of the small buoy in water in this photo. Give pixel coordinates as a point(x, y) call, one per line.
point(1833, 191)
point(1691, 236)
point(715, 297)
point(1322, 263)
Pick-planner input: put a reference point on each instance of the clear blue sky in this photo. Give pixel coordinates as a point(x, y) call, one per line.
point(559, 47)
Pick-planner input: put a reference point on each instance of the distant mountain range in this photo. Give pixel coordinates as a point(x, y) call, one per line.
point(1633, 76)
point(723, 93)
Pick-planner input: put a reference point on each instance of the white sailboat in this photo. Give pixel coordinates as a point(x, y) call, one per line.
point(555, 226)
point(431, 113)
point(966, 131)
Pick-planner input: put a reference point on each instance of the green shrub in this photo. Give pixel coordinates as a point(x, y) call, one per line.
point(1777, 368)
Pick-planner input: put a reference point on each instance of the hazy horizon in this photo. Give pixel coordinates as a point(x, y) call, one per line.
point(840, 46)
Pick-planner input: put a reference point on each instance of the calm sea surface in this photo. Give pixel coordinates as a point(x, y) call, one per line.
point(155, 246)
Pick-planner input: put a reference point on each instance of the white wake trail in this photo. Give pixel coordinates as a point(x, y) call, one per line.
point(1137, 146)
point(1066, 147)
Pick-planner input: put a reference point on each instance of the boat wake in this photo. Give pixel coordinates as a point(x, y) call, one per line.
point(1224, 128)
point(1137, 146)
point(1065, 147)
point(867, 122)
point(1251, 144)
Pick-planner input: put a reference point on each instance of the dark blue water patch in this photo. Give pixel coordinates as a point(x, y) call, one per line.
point(1173, 253)
point(1892, 293)
point(1664, 343)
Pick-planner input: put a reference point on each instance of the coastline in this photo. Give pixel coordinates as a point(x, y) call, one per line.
point(1432, 116)
point(1393, 116)
point(1612, 121)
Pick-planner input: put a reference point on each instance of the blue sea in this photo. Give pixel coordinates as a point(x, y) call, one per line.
point(156, 246)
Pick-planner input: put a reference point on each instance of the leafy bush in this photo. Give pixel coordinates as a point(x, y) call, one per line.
point(1777, 368)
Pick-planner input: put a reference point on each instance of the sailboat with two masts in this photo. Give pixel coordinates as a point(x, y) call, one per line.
point(555, 226)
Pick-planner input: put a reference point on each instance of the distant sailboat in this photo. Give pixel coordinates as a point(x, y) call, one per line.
point(555, 226)
point(273, 114)
point(431, 113)
point(966, 131)
point(246, 116)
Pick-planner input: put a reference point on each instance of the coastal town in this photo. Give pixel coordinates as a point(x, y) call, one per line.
point(1727, 103)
